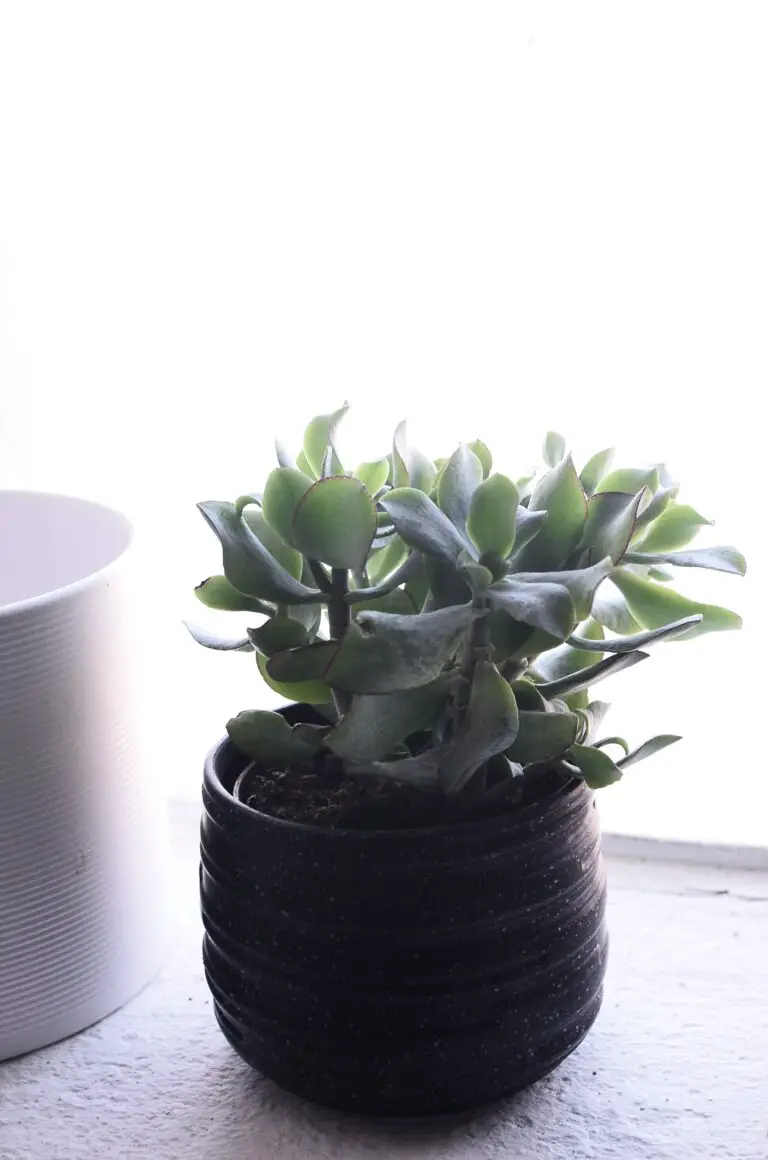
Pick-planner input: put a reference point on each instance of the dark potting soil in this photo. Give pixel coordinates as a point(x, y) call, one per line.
point(335, 802)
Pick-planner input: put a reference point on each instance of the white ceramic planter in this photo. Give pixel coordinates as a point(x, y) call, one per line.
point(82, 850)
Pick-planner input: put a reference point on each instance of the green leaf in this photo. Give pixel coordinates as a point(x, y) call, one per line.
point(477, 576)
point(559, 494)
point(660, 574)
point(384, 653)
point(233, 642)
point(624, 644)
point(247, 563)
point(661, 499)
point(303, 464)
point(619, 742)
point(287, 557)
point(586, 677)
point(386, 560)
point(417, 586)
point(541, 605)
point(483, 454)
point(308, 663)
point(580, 583)
point(270, 740)
point(319, 435)
point(312, 692)
point(674, 528)
point(400, 474)
point(282, 492)
point(528, 697)
point(421, 524)
point(654, 606)
point(492, 518)
point(594, 715)
point(610, 608)
point(630, 479)
point(278, 633)
point(420, 771)
point(610, 524)
point(462, 474)
point(373, 475)
point(396, 600)
point(543, 736)
point(217, 592)
point(594, 470)
point(569, 658)
point(335, 521)
point(596, 767)
point(648, 748)
point(554, 449)
point(718, 559)
point(490, 727)
point(284, 457)
point(527, 525)
point(407, 569)
point(373, 725)
point(421, 470)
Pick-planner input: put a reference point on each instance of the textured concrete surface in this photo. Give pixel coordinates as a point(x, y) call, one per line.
point(677, 1065)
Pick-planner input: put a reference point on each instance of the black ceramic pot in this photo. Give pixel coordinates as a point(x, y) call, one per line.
point(402, 972)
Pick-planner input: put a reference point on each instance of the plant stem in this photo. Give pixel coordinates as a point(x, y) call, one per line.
point(338, 622)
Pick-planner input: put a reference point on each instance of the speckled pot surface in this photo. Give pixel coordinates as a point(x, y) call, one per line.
point(403, 972)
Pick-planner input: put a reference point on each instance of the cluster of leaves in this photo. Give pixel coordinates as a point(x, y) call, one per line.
point(447, 621)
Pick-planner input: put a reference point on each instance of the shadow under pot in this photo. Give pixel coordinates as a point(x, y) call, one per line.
point(402, 972)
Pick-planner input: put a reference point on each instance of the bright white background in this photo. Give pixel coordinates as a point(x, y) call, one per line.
point(218, 219)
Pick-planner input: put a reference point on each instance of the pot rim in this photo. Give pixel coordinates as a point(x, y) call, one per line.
point(214, 785)
point(84, 583)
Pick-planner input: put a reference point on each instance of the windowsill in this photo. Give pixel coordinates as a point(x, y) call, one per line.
point(674, 1066)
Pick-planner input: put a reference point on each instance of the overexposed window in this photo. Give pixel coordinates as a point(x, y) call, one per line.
point(218, 220)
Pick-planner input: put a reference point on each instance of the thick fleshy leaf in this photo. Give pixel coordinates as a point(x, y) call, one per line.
point(446, 586)
point(554, 448)
point(594, 715)
point(528, 697)
point(462, 474)
point(477, 576)
point(541, 605)
point(417, 586)
point(490, 727)
point(420, 771)
point(278, 633)
point(630, 479)
point(288, 557)
point(492, 518)
point(527, 525)
point(580, 583)
point(217, 592)
point(319, 435)
point(373, 725)
point(386, 560)
point(396, 600)
point(422, 524)
point(510, 638)
point(373, 474)
point(335, 521)
point(483, 454)
point(596, 767)
point(231, 642)
point(654, 606)
point(718, 559)
point(610, 524)
point(624, 644)
point(308, 663)
point(559, 494)
point(282, 492)
point(384, 653)
point(594, 470)
point(661, 574)
point(270, 740)
point(400, 474)
point(311, 692)
point(586, 677)
point(610, 608)
point(421, 470)
point(648, 748)
point(407, 569)
point(305, 466)
point(247, 563)
point(662, 497)
point(284, 457)
point(543, 736)
point(673, 529)
point(619, 742)
point(569, 658)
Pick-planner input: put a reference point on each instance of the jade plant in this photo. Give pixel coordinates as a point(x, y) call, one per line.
point(446, 621)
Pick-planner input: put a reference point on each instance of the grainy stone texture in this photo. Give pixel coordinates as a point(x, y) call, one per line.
point(676, 1066)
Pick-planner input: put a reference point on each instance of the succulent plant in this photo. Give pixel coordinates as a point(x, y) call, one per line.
point(445, 621)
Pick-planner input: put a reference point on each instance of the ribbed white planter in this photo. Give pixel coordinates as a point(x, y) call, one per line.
point(82, 842)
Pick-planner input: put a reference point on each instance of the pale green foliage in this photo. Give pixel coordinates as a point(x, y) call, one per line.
point(446, 622)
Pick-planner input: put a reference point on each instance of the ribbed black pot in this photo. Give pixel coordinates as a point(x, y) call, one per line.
point(402, 972)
